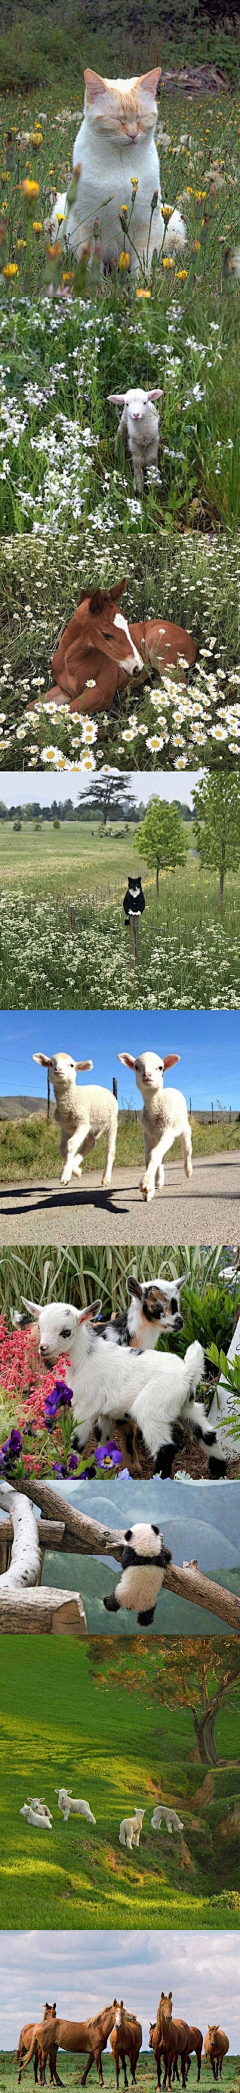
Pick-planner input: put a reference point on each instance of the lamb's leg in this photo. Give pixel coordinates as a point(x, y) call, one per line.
point(154, 1175)
point(186, 1147)
point(109, 1159)
point(75, 1144)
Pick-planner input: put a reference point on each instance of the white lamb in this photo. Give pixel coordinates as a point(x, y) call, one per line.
point(164, 1116)
point(71, 1807)
point(130, 1829)
point(150, 1389)
point(36, 1816)
point(164, 1815)
point(83, 1115)
point(139, 429)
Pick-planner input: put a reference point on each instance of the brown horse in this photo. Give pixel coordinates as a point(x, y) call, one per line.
point(79, 2036)
point(216, 2047)
point(25, 2039)
point(125, 2041)
point(99, 652)
point(195, 2043)
point(169, 2040)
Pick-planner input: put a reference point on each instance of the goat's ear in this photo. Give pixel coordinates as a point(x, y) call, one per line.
point(44, 1059)
point(133, 1286)
point(88, 1315)
point(33, 1306)
point(180, 1282)
point(128, 1060)
point(117, 397)
point(83, 1064)
point(170, 1060)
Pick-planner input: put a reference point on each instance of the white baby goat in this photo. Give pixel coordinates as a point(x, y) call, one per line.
point(164, 1116)
point(82, 1114)
point(73, 1808)
point(130, 1829)
point(152, 1389)
point(139, 429)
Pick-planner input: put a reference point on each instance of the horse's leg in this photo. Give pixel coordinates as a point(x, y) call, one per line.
point(87, 2067)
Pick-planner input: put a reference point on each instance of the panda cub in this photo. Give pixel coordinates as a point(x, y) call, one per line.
point(144, 1560)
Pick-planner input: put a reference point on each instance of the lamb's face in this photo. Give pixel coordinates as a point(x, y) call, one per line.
point(136, 401)
point(149, 1072)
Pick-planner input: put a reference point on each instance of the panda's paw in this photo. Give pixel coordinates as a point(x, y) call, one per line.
point(111, 1603)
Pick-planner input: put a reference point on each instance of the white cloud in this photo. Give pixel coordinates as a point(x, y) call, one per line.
point(85, 1970)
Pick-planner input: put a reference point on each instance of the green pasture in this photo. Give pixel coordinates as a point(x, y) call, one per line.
point(146, 2077)
point(29, 1147)
point(63, 1723)
point(64, 943)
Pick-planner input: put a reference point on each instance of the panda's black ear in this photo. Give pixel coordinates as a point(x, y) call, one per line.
point(128, 1534)
point(155, 1529)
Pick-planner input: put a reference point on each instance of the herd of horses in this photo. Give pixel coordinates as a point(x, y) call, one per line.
point(172, 2041)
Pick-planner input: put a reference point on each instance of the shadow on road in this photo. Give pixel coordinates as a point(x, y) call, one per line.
point(30, 1205)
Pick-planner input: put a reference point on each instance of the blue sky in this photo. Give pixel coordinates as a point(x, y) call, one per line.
point(85, 1971)
point(208, 1042)
point(16, 788)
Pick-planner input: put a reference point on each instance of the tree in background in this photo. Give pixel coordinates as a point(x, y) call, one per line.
point(199, 1673)
point(216, 808)
point(161, 838)
point(109, 797)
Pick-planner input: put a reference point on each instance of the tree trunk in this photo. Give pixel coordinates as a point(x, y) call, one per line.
point(204, 1732)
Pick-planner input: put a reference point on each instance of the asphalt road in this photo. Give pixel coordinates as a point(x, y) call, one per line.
point(205, 1211)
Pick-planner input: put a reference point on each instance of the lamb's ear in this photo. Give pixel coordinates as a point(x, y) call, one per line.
point(118, 398)
point(156, 393)
point(33, 1306)
point(128, 1060)
point(170, 1060)
point(44, 1059)
point(94, 84)
point(149, 81)
point(83, 1064)
point(88, 1315)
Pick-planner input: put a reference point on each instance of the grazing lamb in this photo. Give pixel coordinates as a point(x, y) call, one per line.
point(130, 1829)
point(73, 1808)
point(151, 1392)
point(165, 1815)
point(83, 1115)
point(164, 1116)
point(139, 429)
point(153, 1308)
point(38, 1817)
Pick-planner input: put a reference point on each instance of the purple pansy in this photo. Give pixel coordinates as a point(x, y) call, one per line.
point(13, 1446)
point(106, 1455)
point(60, 1398)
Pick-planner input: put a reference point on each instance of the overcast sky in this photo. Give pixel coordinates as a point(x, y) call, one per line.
point(85, 1971)
point(208, 1042)
point(17, 786)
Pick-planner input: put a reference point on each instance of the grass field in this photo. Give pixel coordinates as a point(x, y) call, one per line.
point(30, 1146)
point(146, 2077)
point(63, 1724)
point(60, 887)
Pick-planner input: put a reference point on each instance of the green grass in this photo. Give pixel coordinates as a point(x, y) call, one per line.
point(56, 885)
point(145, 2077)
point(58, 1725)
point(29, 1147)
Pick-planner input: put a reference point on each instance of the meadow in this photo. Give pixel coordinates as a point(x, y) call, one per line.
point(146, 2070)
point(61, 1723)
point(65, 344)
point(30, 1146)
point(63, 938)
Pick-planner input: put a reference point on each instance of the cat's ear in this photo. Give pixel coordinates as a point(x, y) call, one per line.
point(149, 81)
point(94, 84)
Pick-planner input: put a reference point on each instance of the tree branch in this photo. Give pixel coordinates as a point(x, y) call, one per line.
point(86, 1536)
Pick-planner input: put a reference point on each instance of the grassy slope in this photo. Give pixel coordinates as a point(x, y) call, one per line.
point(57, 1726)
point(28, 1147)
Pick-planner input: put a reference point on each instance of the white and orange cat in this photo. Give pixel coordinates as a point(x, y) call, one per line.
point(116, 144)
point(114, 147)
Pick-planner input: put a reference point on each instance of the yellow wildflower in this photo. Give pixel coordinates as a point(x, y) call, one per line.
point(68, 277)
point(55, 251)
point(11, 269)
point(124, 210)
point(134, 182)
point(189, 189)
point(143, 294)
point(37, 225)
point(168, 261)
point(124, 261)
point(29, 189)
point(36, 139)
point(181, 275)
point(200, 195)
point(21, 243)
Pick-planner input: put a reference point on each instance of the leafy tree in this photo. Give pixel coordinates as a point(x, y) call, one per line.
point(109, 796)
point(161, 837)
point(198, 1674)
point(217, 808)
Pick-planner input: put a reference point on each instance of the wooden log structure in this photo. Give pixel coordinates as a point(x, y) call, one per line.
point(45, 1612)
point(74, 1533)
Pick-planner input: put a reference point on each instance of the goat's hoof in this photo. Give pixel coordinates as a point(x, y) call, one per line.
point(145, 1190)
